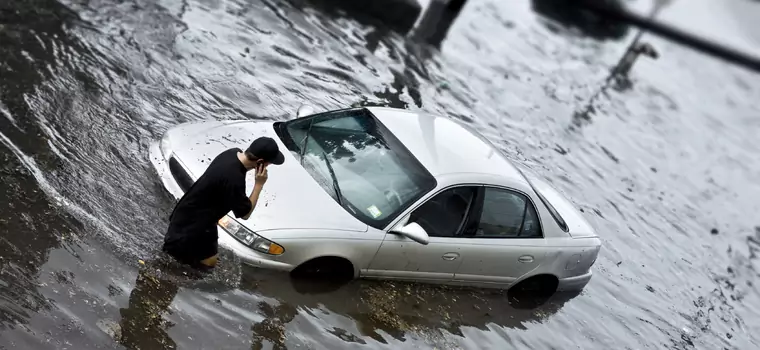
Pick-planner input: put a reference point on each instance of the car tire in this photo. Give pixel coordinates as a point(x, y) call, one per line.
point(533, 292)
point(325, 269)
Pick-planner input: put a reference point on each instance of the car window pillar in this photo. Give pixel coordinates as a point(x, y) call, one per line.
point(472, 217)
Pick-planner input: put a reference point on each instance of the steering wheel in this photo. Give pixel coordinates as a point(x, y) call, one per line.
point(391, 193)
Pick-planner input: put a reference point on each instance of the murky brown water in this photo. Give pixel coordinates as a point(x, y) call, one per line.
point(667, 171)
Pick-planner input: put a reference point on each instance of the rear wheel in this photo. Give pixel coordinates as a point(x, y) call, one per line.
point(533, 291)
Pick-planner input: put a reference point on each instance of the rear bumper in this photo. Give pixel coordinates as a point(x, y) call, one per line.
point(246, 254)
point(574, 283)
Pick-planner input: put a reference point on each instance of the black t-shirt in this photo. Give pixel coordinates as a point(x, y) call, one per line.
point(218, 191)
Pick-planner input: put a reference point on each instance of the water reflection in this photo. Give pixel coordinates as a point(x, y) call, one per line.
point(405, 82)
point(395, 308)
point(569, 14)
point(29, 57)
point(26, 240)
point(399, 16)
point(32, 225)
point(51, 93)
point(142, 323)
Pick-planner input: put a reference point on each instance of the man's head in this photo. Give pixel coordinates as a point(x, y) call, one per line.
point(264, 151)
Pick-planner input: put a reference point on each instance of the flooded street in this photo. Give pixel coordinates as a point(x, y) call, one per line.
point(667, 171)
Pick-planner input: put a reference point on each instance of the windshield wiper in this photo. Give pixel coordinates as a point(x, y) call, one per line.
point(335, 180)
point(306, 138)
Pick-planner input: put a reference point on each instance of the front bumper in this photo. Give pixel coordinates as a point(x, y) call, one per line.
point(246, 254)
point(162, 169)
point(574, 283)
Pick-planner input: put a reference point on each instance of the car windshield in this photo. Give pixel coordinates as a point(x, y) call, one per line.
point(359, 162)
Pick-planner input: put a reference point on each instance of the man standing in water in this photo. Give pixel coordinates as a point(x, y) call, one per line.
point(192, 234)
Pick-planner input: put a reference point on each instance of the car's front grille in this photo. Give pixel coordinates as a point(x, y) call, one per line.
point(180, 175)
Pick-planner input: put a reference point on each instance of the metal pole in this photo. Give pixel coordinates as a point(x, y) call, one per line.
point(625, 63)
point(711, 48)
point(583, 116)
point(436, 21)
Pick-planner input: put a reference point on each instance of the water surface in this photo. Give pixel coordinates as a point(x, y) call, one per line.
point(666, 171)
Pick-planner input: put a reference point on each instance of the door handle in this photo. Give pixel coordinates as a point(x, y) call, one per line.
point(525, 259)
point(450, 256)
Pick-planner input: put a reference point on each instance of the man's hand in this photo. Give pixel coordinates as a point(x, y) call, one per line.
point(261, 175)
point(261, 179)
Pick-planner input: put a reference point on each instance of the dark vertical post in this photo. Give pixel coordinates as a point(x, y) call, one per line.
point(436, 21)
point(635, 49)
point(619, 72)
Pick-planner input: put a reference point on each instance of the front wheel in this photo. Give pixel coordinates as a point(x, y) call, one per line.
point(326, 269)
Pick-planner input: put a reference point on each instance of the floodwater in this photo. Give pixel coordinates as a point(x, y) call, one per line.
point(666, 170)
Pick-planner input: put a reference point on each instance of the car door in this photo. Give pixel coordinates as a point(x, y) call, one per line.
point(505, 238)
point(443, 217)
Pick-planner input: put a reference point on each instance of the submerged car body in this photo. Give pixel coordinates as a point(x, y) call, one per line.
point(390, 194)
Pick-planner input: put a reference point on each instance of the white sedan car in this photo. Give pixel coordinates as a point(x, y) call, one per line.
point(390, 194)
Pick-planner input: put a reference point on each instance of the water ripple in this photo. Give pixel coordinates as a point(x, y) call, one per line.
point(656, 169)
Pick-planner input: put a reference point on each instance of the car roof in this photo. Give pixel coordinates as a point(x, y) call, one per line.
point(445, 146)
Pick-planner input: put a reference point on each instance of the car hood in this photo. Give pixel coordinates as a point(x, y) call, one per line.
point(291, 198)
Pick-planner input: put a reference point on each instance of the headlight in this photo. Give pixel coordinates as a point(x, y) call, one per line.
point(236, 230)
point(250, 238)
point(165, 146)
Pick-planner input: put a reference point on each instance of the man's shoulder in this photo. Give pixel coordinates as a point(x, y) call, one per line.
point(227, 155)
point(225, 161)
point(231, 151)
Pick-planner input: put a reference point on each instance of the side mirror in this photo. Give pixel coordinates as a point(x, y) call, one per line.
point(414, 232)
point(304, 110)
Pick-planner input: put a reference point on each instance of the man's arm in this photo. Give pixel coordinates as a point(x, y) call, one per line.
point(261, 179)
point(254, 198)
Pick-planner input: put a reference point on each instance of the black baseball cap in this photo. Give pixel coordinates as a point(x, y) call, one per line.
point(266, 148)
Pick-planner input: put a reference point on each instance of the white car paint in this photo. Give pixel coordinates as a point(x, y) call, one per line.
point(297, 213)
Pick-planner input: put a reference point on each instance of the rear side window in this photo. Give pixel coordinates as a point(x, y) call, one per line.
point(555, 214)
point(507, 214)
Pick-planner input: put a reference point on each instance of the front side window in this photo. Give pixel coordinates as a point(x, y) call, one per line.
point(507, 214)
point(444, 214)
point(359, 162)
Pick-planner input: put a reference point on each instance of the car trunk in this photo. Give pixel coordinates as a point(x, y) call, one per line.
point(291, 198)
